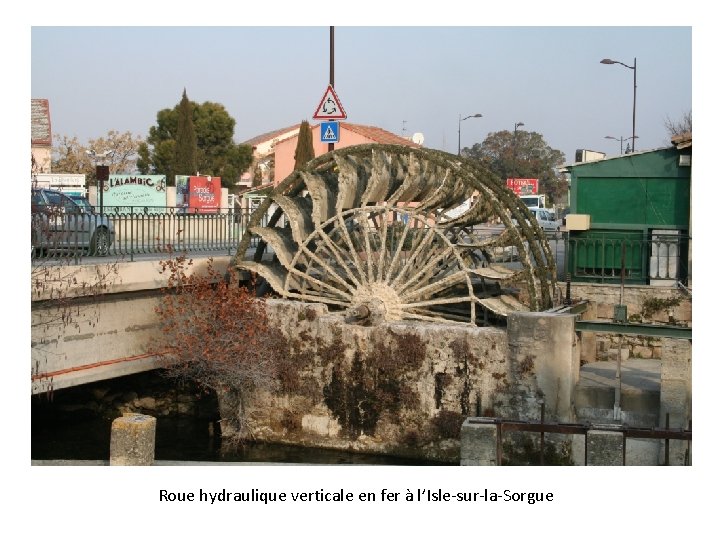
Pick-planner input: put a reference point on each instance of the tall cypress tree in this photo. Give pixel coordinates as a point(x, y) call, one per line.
point(304, 151)
point(185, 140)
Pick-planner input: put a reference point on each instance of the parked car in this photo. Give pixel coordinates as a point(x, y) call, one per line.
point(82, 202)
point(60, 223)
point(546, 221)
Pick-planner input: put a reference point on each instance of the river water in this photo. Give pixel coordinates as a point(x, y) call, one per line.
point(62, 434)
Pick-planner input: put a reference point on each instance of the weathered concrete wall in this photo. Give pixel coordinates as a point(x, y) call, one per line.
point(90, 342)
point(84, 329)
point(546, 345)
point(676, 393)
point(405, 388)
point(661, 305)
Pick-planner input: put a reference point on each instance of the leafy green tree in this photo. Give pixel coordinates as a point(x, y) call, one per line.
point(523, 154)
point(217, 154)
point(186, 141)
point(304, 150)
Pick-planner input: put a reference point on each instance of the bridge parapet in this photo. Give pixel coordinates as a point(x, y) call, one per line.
point(96, 322)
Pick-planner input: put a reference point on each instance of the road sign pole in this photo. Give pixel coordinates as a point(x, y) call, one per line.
point(331, 146)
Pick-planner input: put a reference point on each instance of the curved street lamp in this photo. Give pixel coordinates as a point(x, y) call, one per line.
point(478, 115)
point(621, 139)
point(634, 70)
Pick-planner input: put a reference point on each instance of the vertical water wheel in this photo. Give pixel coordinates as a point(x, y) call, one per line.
point(389, 232)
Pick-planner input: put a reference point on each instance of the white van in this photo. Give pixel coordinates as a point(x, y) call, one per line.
point(544, 219)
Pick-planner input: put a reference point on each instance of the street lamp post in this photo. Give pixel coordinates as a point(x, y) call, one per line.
point(517, 125)
point(634, 70)
point(478, 115)
point(621, 139)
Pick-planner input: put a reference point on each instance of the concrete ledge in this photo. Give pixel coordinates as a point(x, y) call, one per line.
point(113, 276)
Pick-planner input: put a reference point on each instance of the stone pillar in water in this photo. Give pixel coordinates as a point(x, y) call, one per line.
point(132, 440)
point(546, 345)
point(478, 442)
point(604, 447)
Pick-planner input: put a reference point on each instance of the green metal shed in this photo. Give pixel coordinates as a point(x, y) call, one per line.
point(639, 208)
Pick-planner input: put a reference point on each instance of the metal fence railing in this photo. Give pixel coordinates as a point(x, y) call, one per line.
point(632, 257)
point(129, 231)
point(124, 232)
point(666, 434)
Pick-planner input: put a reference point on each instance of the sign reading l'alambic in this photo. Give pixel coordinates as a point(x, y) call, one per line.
point(124, 193)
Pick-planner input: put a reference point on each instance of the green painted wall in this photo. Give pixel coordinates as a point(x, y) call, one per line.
point(634, 192)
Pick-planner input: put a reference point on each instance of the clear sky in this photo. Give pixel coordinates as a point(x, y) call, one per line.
point(405, 79)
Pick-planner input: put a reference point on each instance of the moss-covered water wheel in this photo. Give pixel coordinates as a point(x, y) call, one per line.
point(389, 233)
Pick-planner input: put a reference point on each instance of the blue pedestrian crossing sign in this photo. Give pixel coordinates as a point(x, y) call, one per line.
point(329, 132)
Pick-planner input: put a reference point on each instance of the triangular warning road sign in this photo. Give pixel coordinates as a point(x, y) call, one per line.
point(330, 106)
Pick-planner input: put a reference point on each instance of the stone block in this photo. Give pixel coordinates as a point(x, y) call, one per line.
point(604, 448)
point(605, 311)
point(633, 309)
point(673, 398)
point(674, 369)
point(478, 442)
point(680, 453)
point(132, 440)
point(683, 312)
point(590, 313)
point(612, 354)
point(642, 452)
point(320, 425)
point(146, 403)
point(588, 347)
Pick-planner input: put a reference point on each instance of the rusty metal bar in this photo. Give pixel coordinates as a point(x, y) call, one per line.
point(677, 434)
point(581, 429)
point(624, 447)
point(542, 433)
point(541, 427)
point(498, 443)
point(567, 429)
point(667, 441)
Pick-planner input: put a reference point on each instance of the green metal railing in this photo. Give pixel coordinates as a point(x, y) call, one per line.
point(631, 257)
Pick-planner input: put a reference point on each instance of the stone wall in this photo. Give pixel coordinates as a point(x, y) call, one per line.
point(656, 305)
point(404, 388)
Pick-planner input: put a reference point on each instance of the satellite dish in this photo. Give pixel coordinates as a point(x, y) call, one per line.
point(418, 138)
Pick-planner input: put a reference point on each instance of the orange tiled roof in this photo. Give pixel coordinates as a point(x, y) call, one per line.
point(270, 135)
point(378, 135)
point(375, 134)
